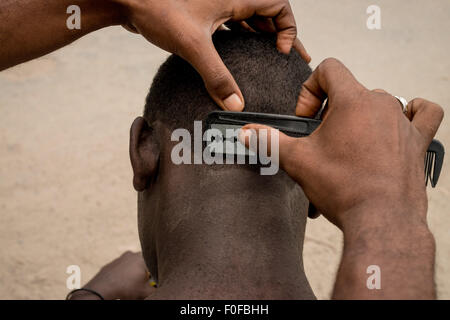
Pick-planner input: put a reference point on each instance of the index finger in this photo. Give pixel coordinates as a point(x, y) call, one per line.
point(201, 53)
point(330, 78)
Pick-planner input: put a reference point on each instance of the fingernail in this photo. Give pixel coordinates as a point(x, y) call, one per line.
point(233, 103)
point(308, 58)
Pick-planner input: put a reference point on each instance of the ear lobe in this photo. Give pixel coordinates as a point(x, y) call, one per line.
point(144, 153)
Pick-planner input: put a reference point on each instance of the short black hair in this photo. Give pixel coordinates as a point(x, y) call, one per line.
point(269, 80)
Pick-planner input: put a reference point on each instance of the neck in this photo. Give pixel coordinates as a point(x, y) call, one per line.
point(245, 244)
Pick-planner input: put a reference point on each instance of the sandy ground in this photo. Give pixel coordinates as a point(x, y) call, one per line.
point(65, 181)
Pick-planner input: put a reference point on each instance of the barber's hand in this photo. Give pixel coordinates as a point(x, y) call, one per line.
point(366, 156)
point(185, 28)
point(125, 278)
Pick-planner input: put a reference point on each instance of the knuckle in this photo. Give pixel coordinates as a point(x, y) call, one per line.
point(293, 31)
point(193, 39)
point(329, 65)
point(438, 110)
point(431, 107)
point(330, 62)
point(418, 101)
point(190, 43)
point(290, 31)
point(218, 80)
point(379, 91)
point(285, 14)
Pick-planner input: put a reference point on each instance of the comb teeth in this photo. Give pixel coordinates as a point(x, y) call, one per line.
point(433, 162)
point(428, 166)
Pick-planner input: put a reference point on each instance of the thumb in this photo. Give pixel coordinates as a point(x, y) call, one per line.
point(219, 82)
point(290, 150)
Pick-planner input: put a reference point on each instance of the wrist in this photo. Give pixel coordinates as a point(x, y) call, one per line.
point(389, 212)
point(394, 206)
point(403, 256)
point(384, 220)
point(99, 14)
point(84, 294)
point(119, 10)
point(103, 287)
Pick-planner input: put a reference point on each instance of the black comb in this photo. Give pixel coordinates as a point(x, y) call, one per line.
point(301, 127)
point(433, 162)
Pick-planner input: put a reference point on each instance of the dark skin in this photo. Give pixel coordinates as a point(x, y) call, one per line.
point(381, 215)
point(208, 234)
point(125, 278)
point(379, 154)
point(253, 234)
point(32, 28)
point(208, 240)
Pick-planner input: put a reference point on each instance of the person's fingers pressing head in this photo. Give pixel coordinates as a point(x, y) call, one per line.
point(267, 25)
point(218, 80)
point(286, 27)
point(300, 48)
point(326, 81)
point(277, 17)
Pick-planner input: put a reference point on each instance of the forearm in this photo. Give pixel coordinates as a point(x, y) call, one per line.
point(32, 28)
point(403, 251)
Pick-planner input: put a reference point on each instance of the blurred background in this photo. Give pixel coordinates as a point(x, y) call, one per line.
point(66, 195)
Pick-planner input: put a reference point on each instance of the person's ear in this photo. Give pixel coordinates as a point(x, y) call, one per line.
point(144, 153)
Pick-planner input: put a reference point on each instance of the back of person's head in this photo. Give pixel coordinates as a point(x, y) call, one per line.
point(270, 81)
point(182, 207)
